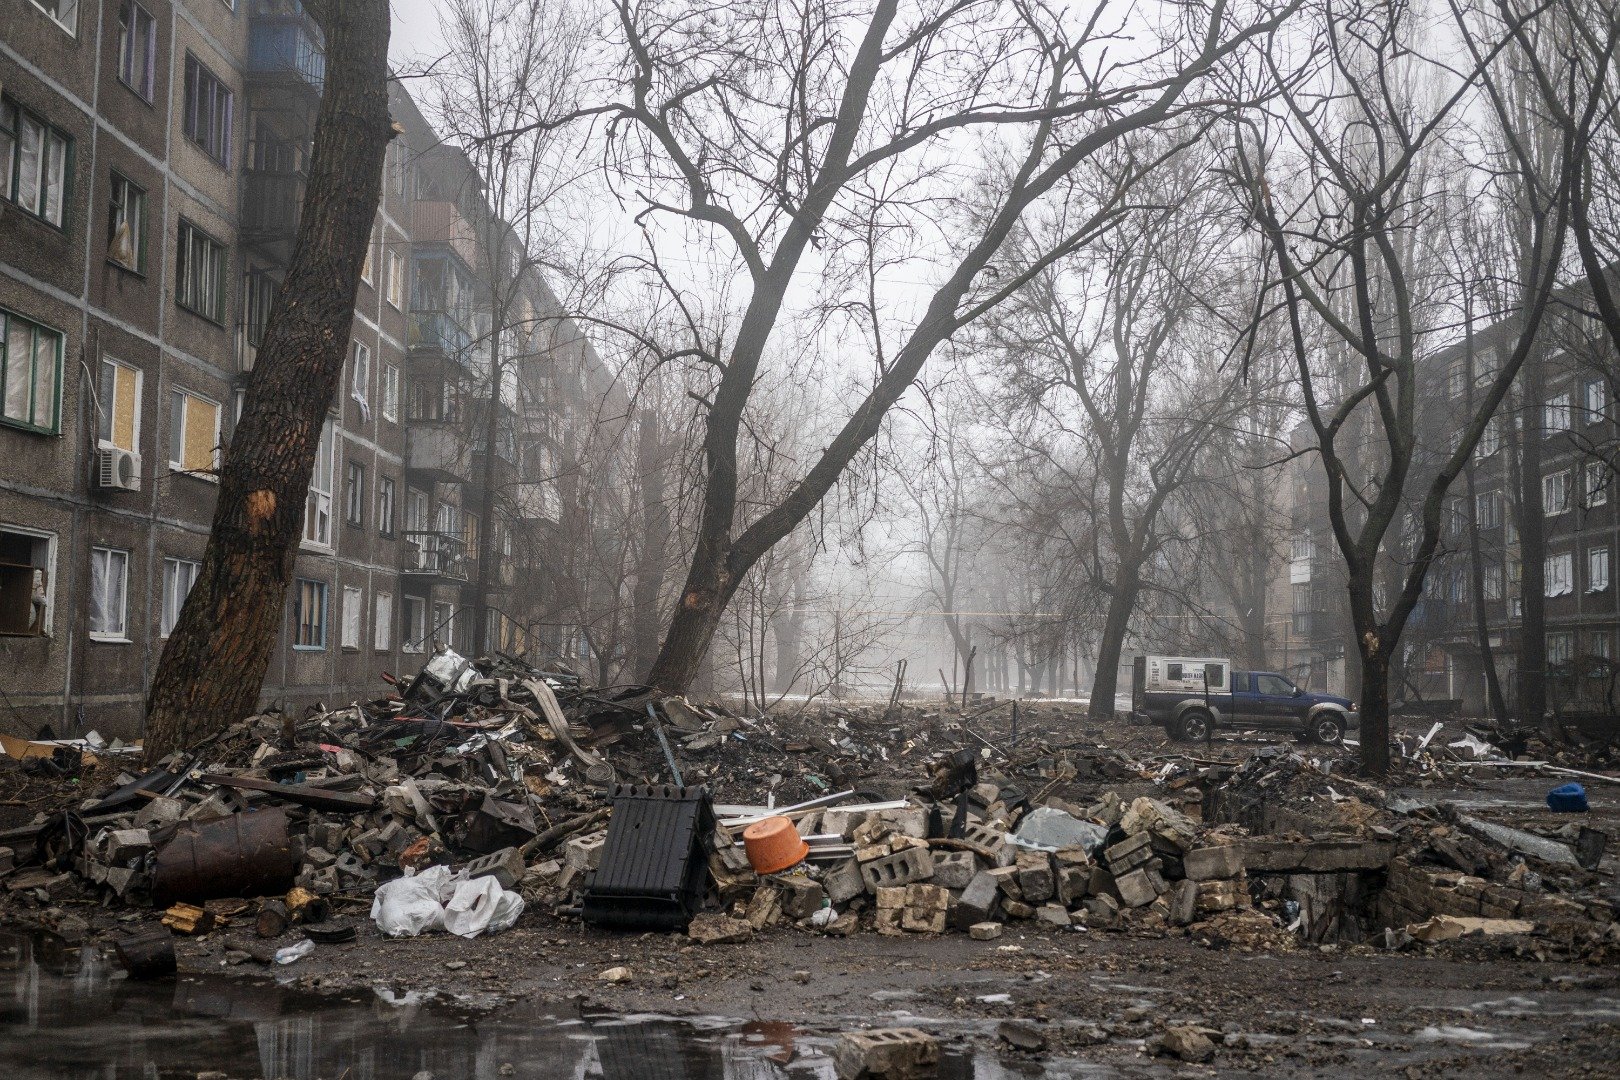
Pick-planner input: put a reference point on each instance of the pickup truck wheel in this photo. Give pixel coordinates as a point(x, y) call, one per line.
point(1193, 726)
point(1327, 728)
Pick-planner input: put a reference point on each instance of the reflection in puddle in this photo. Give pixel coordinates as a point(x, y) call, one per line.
point(67, 1016)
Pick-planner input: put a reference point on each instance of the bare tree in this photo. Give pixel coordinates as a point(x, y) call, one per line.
point(214, 662)
point(825, 135)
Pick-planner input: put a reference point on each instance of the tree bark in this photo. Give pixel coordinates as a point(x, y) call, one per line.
point(1105, 681)
point(1375, 705)
point(213, 665)
point(652, 461)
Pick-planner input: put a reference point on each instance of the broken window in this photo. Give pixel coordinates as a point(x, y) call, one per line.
point(1560, 571)
point(309, 614)
point(179, 575)
point(109, 591)
point(126, 225)
point(26, 560)
point(318, 504)
point(415, 628)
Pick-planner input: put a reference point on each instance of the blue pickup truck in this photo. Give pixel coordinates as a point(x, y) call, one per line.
point(1190, 696)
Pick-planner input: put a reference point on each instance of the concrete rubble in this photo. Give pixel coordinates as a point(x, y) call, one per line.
point(498, 770)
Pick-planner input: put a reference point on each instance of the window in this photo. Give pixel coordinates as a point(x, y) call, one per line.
point(1598, 646)
point(259, 293)
point(179, 575)
point(1172, 672)
point(353, 608)
point(415, 628)
point(382, 629)
point(65, 13)
point(1457, 378)
point(1555, 492)
point(30, 374)
point(1595, 484)
point(137, 48)
point(119, 403)
point(193, 434)
point(469, 534)
point(1273, 685)
point(1488, 509)
point(1597, 569)
point(1490, 440)
point(1556, 416)
point(200, 273)
point(33, 163)
point(354, 493)
point(1560, 648)
point(318, 505)
point(27, 559)
point(1455, 518)
point(208, 111)
point(1596, 400)
point(1493, 583)
point(444, 622)
point(109, 588)
point(309, 614)
point(394, 280)
point(126, 225)
point(1560, 574)
point(360, 382)
point(385, 505)
point(371, 245)
point(390, 393)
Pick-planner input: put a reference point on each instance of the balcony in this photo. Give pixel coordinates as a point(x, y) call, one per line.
point(439, 451)
point(284, 44)
point(439, 331)
point(539, 502)
point(428, 553)
point(271, 206)
point(443, 223)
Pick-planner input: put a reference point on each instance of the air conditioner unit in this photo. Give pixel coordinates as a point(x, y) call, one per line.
point(118, 470)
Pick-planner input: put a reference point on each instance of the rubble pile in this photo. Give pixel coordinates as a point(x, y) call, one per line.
point(484, 790)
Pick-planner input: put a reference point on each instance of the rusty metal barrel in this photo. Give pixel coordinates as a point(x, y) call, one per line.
point(241, 855)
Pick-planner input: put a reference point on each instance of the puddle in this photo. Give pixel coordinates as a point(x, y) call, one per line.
point(65, 1014)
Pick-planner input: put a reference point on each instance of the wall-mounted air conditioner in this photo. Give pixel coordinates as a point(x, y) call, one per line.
point(118, 470)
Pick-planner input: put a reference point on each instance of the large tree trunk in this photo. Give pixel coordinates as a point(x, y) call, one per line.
point(214, 664)
point(1482, 630)
point(1375, 705)
point(652, 461)
point(1105, 682)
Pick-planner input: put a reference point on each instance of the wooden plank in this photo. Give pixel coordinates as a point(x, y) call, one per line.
point(301, 794)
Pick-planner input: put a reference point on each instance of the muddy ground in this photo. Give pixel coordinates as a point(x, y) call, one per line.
point(1274, 1006)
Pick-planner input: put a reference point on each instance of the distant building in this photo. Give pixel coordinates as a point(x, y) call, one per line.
point(152, 162)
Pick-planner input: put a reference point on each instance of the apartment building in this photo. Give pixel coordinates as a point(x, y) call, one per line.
point(152, 163)
point(1572, 417)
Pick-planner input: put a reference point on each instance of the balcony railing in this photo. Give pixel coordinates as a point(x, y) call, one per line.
point(282, 40)
point(437, 553)
point(439, 330)
point(439, 448)
point(272, 204)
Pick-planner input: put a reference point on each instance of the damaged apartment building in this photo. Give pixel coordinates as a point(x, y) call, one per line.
point(152, 162)
point(1547, 455)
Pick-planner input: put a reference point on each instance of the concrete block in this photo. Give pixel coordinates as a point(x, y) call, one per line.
point(1073, 882)
point(764, 907)
point(1017, 909)
point(891, 898)
point(954, 869)
point(584, 852)
point(884, 1052)
point(843, 881)
point(801, 897)
point(1006, 878)
point(505, 866)
point(836, 819)
point(158, 813)
point(910, 821)
point(901, 868)
point(925, 909)
point(1102, 910)
point(123, 845)
point(1183, 903)
point(1211, 863)
point(1135, 889)
point(1053, 914)
point(992, 840)
point(1220, 895)
point(985, 931)
point(1035, 879)
point(1167, 826)
point(978, 901)
point(1129, 853)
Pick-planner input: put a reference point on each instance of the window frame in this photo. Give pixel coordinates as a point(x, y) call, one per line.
point(127, 11)
point(354, 494)
point(386, 496)
point(1563, 478)
point(7, 317)
point(360, 375)
point(1595, 391)
point(13, 114)
point(1594, 556)
point(319, 499)
point(115, 208)
point(393, 280)
point(45, 567)
point(190, 111)
point(1562, 406)
point(319, 589)
point(408, 626)
point(186, 230)
point(1558, 573)
point(1594, 485)
point(389, 393)
point(172, 567)
point(108, 410)
point(382, 621)
point(119, 635)
point(188, 396)
point(352, 605)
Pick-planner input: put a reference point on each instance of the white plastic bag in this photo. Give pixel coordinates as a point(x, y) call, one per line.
point(481, 906)
point(408, 906)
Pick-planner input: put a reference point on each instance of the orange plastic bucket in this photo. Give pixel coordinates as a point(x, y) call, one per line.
point(773, 845)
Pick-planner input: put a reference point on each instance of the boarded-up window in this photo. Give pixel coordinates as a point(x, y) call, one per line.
point(120, 406)
point(193, 434)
